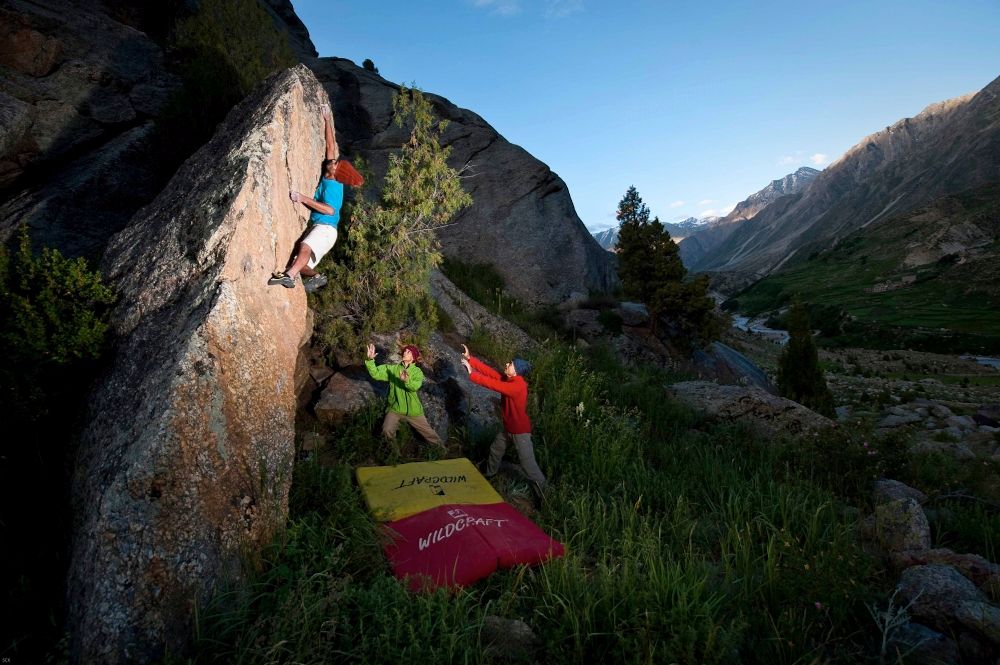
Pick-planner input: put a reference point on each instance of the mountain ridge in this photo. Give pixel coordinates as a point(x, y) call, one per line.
point(950, 146)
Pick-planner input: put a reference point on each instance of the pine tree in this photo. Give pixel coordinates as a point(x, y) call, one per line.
point(800, 377)
point(633, 250)
point(651, 271)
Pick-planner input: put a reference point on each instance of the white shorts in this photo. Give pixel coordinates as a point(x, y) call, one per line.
point(321, 239)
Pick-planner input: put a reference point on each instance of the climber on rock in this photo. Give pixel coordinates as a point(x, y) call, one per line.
point(324, 216)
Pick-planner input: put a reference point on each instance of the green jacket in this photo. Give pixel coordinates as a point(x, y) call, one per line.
point(402, 394)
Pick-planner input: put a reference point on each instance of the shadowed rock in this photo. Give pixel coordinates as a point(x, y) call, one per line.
point(186, 461)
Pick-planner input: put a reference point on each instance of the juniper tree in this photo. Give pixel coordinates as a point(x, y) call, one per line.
point(651, 272)
point(800, 377)
point(380, 276)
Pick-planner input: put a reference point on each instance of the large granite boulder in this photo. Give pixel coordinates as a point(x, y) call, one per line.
point(522, 219)
point(187, 458)
point(771, 414)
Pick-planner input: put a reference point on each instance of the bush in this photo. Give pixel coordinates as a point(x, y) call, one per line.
point(53, 329)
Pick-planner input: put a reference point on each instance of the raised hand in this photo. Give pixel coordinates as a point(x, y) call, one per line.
point(371, 351)
point(465, 352)
point(295, 197)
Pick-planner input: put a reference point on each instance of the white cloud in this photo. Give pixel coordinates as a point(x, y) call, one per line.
point(706, 202)
point(561, 8)
point(786, 160)
point(677, 204)
point(717, 212)
point(819, 159)
point(502, 7)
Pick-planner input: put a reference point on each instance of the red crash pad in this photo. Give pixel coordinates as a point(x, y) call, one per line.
point(456, 545)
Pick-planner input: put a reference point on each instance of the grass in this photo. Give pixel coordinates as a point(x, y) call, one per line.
point(686, 542)
point(958, 297)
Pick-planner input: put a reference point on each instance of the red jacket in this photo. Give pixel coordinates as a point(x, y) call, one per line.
point(513, 396)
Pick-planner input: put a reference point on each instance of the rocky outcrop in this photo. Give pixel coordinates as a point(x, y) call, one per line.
point(82, 85)
point(522, 219)
point(186, 461)
point(949, 147)
point(775, 416)
point(78, 94)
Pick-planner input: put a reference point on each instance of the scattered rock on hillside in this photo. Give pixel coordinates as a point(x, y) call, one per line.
point(633, 313)
point(901, 525)
point(468, 315)
point(923, 645)
point(980, 571)
point(724, 364)
point(776, 416)
point(508, 641)
point(936, 592)
point(888, 490)
point(186, 462)
point(342, 396)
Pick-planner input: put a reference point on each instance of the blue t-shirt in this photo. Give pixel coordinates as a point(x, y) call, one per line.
point(331, 193)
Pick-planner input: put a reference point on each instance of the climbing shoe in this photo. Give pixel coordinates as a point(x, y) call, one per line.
point(280, 278)
point(315, 282)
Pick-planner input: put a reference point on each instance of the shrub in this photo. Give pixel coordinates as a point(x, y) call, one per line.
point(53, 330)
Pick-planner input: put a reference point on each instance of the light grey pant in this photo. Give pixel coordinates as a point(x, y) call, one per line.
point(419, 425)
point(525, 455)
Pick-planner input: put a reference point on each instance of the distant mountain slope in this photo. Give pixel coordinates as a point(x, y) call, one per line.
point(696, 247)
point(949, 147)
point(936, 267)
point(608, 238)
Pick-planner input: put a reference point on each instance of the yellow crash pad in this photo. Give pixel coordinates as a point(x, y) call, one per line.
point(395, 492)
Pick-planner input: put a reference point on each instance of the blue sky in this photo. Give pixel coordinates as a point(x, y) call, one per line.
point(697, 104)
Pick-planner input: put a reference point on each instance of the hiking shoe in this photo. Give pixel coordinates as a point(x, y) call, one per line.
point(315, 282)
point(280, 278)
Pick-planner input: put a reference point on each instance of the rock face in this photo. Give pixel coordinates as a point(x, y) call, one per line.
point(187, 458)
point(78, 94)
point(81, 86)
point(522, 219)
point(949, 147)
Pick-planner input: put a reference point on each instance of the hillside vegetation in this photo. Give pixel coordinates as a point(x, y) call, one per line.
point(938, 267)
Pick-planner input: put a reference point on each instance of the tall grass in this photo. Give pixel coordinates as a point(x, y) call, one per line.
point(687, 542)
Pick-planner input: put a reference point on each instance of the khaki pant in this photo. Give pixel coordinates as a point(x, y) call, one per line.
point(525, 455)
point(419, 425)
